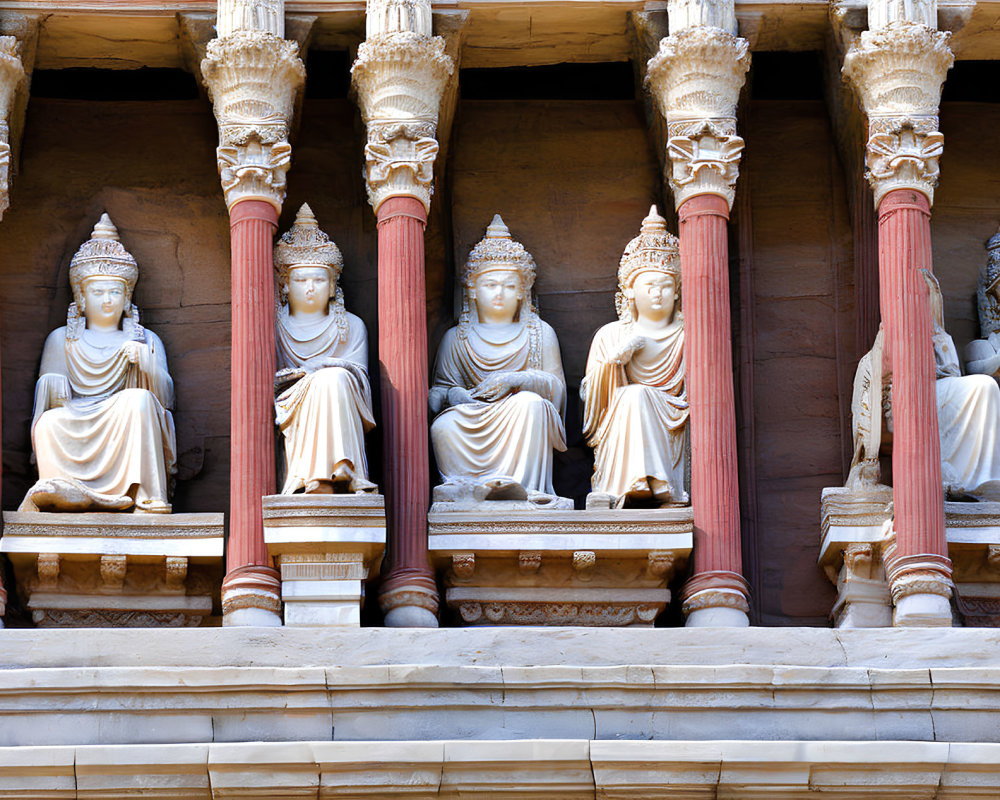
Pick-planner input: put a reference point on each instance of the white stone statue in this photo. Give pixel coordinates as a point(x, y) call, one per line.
point(102, 431)
point(982, 356)
point(498, 389)
point(968, 416)
point(968, 409)
point(635, 404)
point(323, 403)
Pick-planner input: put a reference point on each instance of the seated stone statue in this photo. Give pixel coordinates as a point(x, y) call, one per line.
point(102, 432)
point(968, 409)
point(635, 403)
point(323, 402)
point(498, 388)
point(982, 356)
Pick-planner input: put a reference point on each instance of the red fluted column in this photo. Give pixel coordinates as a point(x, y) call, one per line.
point(918, 567)
point(252, 589)
point(408, 596)
point(716, 593)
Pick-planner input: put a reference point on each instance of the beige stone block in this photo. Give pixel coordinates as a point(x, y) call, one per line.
point(517, 769)
point(363, 770)
point(260, 770)
point(37, 773)
point(170, 772)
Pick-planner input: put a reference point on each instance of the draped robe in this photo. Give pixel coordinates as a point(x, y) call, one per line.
point(969, 424)
point(509, 438)
point(323, 415)
point(635, 415)
point(113, 433)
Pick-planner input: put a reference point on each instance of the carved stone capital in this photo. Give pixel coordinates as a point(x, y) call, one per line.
point(399, 78)
point(11, 75)
point(696, 78)
point(704, 159)
point(897, 72)
point(253, 78)
point(903, 153)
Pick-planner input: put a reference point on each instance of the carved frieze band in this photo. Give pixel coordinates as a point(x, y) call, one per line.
point(399, 78)
point(897, 72)
point(11, 75)
point(696, 78)
point(253, 78)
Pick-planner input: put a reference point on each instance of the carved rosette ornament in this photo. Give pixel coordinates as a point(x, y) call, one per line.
point(898, 71)
point(399, 77)
point(11, 75)
point(696, 78)
point(253, 78)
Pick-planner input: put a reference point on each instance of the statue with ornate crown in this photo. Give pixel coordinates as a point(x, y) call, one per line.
point(982, 356)
point(635, 403)
point(323, 403)
point(102, 431)
point(498, 390)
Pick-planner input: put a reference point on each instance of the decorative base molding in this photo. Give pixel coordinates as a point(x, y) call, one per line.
point(589, 568)
point(115, 570)
point(326, 547)
point(251, 597)
point(857, 538)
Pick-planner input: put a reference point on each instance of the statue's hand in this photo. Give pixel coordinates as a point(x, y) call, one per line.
point(329, 361)
point(629, 349)
point(458, 395)
point(285, 376)
point(498, 385)
point(133, 351)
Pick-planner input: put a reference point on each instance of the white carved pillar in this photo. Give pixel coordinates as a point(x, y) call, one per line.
point(897, 68)
point(11, 75)
point(253, 76)
point(399, 79)
point(696, 79)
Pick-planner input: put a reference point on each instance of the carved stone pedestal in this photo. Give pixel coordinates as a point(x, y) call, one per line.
point(591, 568)
point(115, 570)
point(857, 533)
point(326, 547)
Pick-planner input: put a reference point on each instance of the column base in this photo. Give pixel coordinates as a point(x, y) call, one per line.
point(251, 597)
point(922, 611)
point(409, 599)
point(717, 599)
point(717, 618)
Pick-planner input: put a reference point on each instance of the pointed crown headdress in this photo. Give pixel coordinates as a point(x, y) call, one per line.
point(655, 248)
point(497, 250)
point(305, 245)
point(986, 294)
point(102, 256)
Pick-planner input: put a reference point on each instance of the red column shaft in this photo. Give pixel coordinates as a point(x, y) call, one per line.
point(402, 352)
point(252, 223)
point(905, 248)
point(708, 361)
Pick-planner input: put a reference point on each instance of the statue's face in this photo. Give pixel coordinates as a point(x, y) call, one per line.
point(655, 294)
point(498, 295)
point(103, 302)
point(309, 290)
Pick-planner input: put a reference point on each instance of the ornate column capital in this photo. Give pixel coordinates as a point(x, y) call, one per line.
point(897, 72)
point(253, 78)
point(399, 78)
point(696, 78)
point(11, 75)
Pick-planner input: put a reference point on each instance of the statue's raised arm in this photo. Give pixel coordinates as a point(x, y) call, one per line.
point(102, 430)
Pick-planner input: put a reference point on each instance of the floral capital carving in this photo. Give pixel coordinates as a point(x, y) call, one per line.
point(11, 75)
point(399, 78)
point(696, 78)
point(897, 72)
point(253, 78)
